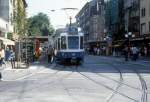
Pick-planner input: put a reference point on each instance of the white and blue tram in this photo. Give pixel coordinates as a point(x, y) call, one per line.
point(70, 46)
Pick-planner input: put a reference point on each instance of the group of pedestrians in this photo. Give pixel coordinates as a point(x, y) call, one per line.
point(7, 55)
point(132, 52)
point(95, 50)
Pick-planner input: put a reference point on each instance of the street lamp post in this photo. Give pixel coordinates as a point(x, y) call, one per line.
point(108, 45)
point(129, 35)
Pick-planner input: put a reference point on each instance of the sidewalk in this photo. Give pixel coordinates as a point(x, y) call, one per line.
point(18, 65)
point(9, 74)
point(144, 61)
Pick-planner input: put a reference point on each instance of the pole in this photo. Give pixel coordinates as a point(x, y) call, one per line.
point(26, 52)
point(70, 20)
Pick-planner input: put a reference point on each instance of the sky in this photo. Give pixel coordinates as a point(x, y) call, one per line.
point(58, 18)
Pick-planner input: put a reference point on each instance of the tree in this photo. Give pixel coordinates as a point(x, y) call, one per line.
point(19, 19)
point(39, 25)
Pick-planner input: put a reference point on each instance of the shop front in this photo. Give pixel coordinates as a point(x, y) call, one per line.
point(6, 42)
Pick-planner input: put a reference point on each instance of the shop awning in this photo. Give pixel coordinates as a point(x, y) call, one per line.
point(7, 41)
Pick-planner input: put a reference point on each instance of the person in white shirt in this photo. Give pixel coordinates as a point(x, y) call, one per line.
point(2, 56)
point(135, 53)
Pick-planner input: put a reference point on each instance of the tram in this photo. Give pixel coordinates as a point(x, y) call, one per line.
point(70, 46)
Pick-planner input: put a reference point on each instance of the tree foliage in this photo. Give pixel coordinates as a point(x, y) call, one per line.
point(39, 25)
point(20, 18)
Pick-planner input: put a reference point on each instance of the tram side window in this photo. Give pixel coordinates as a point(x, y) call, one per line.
point(81, 42)
point(63, 42)
point(58, 43)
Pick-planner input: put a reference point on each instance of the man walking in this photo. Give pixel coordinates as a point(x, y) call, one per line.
point(50, 54)
point(126, 53)
point(12, 58)
point(135, 53)
point(2, 56)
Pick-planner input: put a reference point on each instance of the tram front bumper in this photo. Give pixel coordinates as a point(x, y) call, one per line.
point(71, 55)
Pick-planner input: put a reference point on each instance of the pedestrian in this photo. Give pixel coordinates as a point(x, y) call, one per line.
point(134, 53)
point(98, 51)
point(12, 58)
point(95, 50)
point(2, 56)
point(0, 76)
point(126, 53)
point(50, 54)
point(145, 51)
point(7, 54)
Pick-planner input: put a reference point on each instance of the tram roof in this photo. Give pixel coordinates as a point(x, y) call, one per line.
point(66, 34)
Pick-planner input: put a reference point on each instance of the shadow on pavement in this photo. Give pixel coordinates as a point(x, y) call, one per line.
point(103, 65)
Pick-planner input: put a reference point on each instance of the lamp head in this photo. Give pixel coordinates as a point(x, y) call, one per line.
point(126, 35)
point(130, 33)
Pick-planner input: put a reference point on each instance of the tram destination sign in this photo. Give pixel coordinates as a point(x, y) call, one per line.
point(73, 30)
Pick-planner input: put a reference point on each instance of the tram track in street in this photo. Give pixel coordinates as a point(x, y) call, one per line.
point(66, 89)
point(141, 79)
point(143, 85)
point(54, 74)
point(114, 91)
point(144, 88)
point(119, 83)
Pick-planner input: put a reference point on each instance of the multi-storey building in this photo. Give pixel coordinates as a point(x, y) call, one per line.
point(83, 21)
point(6, 17)
point(12, 16)
point(91, 20)
point(145, 16)
point(114, 14)
point(145, 25)
point(132, 16)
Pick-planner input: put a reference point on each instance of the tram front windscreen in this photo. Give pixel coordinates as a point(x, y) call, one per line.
point(73, 42)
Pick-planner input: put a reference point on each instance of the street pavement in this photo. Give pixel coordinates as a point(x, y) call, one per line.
point(98, 79)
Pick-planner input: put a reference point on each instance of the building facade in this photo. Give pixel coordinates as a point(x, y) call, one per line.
point(132, 16)
point(91, 19)
point(145, 17)
point(12, 17)
point(6, 17)
point(83, 20)
point(145, 26)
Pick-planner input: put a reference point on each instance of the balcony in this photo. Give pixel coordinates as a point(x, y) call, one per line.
point(3, 24)
point(5, 27)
